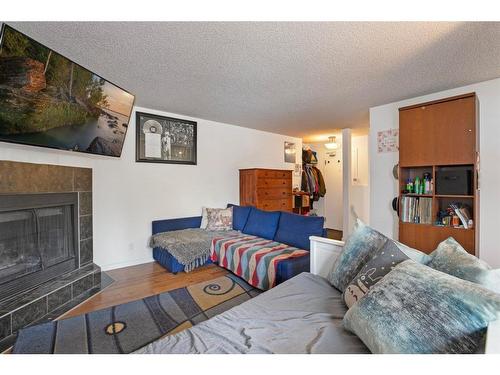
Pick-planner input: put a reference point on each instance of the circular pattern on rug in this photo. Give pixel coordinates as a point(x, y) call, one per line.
point(220, 287)
point(115, 328)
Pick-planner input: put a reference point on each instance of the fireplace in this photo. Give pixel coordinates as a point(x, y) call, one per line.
point(46, 244)
point(38, 239)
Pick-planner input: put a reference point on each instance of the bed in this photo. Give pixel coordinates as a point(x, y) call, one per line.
point(302, 315)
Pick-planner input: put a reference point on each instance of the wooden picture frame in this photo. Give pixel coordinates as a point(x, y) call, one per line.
point(161, 139)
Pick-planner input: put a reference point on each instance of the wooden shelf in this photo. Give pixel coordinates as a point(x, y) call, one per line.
point(435, 226)
point(449, 227)
point(416, 195)
point(432, 136)
point(419, 224)
point(454, 196)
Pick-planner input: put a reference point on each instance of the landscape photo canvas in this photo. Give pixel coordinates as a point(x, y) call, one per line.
point(50, 101)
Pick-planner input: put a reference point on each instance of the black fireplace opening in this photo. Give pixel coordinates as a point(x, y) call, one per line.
point(38, 239)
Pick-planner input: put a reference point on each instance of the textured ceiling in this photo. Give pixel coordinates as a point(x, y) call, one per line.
point(299, 79)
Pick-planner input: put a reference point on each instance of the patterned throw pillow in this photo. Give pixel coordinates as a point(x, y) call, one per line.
point(453, 259)
point(359, 248)
point(415, 309)
point(382, 262)
point(220, 218)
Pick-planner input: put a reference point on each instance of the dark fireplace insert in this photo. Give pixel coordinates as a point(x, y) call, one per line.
point(38, 239)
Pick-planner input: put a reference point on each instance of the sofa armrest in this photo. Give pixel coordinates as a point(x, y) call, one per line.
point(168, 225)
point(493, 338)
point(324, 252)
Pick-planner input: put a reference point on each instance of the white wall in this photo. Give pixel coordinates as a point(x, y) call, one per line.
point(360, 184)
point(129, 195)
point(384, 186)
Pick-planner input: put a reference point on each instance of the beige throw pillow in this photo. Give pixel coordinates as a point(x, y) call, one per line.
point(220, 218)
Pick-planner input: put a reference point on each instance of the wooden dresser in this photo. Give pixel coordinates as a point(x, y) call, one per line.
point(266, 189)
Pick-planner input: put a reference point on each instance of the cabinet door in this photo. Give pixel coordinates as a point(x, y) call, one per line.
point(438, 134)
point(454, 124)
point(415, 142)
point(426, 238)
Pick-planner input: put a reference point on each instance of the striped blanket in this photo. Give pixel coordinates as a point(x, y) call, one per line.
point(252, 258)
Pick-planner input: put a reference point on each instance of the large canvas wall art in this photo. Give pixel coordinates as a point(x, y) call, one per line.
point(50, 101)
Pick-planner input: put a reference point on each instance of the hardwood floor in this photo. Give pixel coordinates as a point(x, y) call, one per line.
point(141, 281)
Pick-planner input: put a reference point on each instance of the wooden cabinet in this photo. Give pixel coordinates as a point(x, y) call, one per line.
point(266, 189)
point(433, 136)
point(438, 133)
point(426, 237)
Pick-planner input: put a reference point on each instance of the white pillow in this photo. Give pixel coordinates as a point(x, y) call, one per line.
point(204, 219)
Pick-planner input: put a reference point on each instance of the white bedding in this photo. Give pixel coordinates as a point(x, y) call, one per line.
point(302, 315)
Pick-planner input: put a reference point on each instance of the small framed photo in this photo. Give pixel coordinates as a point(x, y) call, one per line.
point(161, 139)
point(289, 152)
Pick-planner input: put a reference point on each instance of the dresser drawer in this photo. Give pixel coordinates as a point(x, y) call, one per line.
point(274, 183)
point(276, 205)
point(273, 193)
point(267, 173)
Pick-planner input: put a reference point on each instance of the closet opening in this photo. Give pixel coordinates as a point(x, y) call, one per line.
point(335, 180)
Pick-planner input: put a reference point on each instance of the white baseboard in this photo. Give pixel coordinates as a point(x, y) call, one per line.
point(128, 263)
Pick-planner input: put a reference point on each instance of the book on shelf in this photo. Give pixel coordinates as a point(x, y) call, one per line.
point(462, 213)
point(416, 210)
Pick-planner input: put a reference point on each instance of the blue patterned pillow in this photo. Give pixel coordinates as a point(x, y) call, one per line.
point(415, 309)
point(358, 250)
point(453, 259)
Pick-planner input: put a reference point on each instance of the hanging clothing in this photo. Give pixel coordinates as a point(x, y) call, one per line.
point(321, 183)
point(308, 180)
point(313, 182)
point(309, 157)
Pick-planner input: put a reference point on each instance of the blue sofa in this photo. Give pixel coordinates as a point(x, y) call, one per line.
point(284, 227)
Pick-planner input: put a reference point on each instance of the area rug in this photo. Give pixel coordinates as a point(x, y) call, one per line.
point(128, 327)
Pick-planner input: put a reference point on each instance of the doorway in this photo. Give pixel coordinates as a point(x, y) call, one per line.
point(346, 180)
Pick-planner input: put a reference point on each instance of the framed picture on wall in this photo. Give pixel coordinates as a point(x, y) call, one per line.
point(161, 139)
point(289, 152)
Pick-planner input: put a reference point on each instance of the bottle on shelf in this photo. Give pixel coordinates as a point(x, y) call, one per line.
point(409, 186)
point(418, 185)
point(427, 183)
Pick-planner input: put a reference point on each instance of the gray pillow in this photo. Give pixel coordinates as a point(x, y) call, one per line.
point(415, 309)
point(453, 259)
point(381, 263)
point(359, 248)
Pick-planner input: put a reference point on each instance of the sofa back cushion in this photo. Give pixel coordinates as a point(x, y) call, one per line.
point(240, 216)
point(262, 223)
point(294, 230)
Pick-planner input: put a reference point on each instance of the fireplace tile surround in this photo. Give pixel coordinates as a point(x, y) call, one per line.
point(33, 305)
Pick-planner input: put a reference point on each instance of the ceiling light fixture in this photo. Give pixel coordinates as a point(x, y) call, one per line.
point(332, 144)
